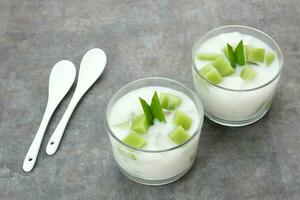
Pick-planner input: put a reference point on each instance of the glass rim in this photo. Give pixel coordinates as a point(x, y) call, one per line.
point(198, 104)
point(237, 26)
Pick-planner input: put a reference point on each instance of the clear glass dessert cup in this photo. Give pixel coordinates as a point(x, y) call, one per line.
point(155, 167)
point(219, 102)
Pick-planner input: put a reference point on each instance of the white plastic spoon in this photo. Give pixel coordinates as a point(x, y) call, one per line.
point(91, 67)
point(61, 79)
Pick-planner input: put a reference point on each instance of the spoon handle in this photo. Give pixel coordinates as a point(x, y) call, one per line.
point(34, 148)
point(55, 138)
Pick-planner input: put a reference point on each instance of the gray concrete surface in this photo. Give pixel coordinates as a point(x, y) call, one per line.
point(141, 38)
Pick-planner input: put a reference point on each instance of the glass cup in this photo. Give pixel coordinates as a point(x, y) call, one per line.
point(217, 101)
point(154, 167)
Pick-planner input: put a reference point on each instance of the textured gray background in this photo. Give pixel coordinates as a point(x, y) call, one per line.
point(141, 38)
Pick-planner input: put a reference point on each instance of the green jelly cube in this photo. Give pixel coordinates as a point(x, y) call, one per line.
point(169, 101)
point(123, 125)
point(269, 58)
point(248, 73)
point(123, 151)
point(210, 73)
point(223, 67)
point(208, 56)
point(254, 55)
point(181, 119)
point(179, 135)
point(135, 140)
point(140, 124)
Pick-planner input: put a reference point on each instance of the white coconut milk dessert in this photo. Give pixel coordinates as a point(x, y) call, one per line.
point(235, 73)
point(155, 133)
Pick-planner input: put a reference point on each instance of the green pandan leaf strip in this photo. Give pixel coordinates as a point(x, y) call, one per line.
point(239, 53)
point(231, 55)
point(156, 108)
point(147, 111)
point(225, 51)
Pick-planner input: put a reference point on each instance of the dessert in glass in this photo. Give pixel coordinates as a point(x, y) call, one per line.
point(154, 125)
point(235, 73)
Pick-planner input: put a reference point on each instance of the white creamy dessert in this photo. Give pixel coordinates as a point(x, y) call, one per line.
point(240, 91)
point(151, 159)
